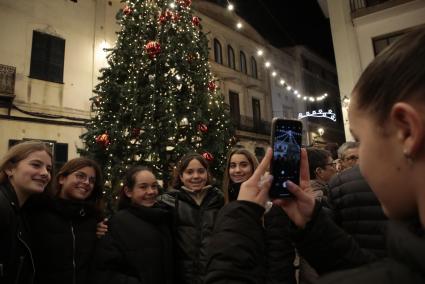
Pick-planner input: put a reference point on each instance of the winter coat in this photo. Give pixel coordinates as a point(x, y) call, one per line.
point(137, 249)
point(193, 226)
point(64, 235)
point(16, 261)
point(280, 252)
point(357, 210)
point(237, 248)
point(405, 264)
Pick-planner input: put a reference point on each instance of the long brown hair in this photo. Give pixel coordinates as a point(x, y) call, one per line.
point(18, 153)
point(227, 182)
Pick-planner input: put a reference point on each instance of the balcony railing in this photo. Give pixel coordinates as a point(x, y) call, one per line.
point(363, 7)
point(246, 123)
point(7, 86)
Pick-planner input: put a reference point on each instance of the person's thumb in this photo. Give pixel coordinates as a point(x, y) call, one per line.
point(297, 191)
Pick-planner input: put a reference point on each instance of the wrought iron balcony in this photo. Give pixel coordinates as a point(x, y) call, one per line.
point(363, 7)
point(247, 123)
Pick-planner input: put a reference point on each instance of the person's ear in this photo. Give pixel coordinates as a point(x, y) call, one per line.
point(61, 180)
point(9, 172)
point(318, 172)
point(410, 127)
point(128, 192)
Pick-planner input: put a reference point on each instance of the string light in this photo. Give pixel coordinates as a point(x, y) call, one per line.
point(282, 82)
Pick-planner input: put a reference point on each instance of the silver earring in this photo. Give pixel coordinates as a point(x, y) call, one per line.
point(408, 156)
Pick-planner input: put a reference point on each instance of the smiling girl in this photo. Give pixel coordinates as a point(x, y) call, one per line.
point(24, 170)
point(195, 204)
point(63, 223)
point(138, 245)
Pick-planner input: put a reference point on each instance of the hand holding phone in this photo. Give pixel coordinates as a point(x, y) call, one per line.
point(286, 144)
point(299, 208)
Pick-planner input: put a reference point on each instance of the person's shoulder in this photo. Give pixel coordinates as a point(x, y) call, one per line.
point(384, 271)
point(348, 181)
point(169, 197)
point(6, 211)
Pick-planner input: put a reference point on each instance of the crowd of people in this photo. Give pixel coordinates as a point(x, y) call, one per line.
point(333, 230)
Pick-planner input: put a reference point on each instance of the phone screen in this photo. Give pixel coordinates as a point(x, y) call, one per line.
point(286, 139)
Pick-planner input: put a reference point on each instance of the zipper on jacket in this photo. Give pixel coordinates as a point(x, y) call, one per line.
point(1, 270)
point(21, 260)
point(73, 255)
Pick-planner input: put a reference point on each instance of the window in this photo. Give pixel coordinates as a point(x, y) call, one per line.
point(231, 57)
point(217, 52)
point(254, 68)
point(47, 57)
point(59, 150)
point(256, 113)
point(380, 43)
point(243, 62)
point(234, 107)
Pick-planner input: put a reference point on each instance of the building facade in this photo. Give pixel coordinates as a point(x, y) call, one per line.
point(244, 80)
point(51, 52)
point(363, 28)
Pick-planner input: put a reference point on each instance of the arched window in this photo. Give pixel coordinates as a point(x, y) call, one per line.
point(243, 62)
point(254, 67)
point(217, 52)
point(231, 57)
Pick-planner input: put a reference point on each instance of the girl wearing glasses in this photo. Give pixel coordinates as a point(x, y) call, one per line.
point(25, 170)
point(63, 223)
point(137, 247)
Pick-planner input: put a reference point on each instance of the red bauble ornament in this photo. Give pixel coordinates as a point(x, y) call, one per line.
point(203, 128)
point(127, 10)
point(162, 19)
point(184, 3)
point(103, 140)
point(208, 156)
point(196, 21)
point(175, 17)
point(212, 86)
point(153, 48)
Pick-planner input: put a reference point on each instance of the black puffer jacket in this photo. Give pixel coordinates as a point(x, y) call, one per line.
point(406, 262)
point(64, 235)
point(137, 248)
point(357, 210)
point(237, 252)
point(16, 262)
point(280, 250)
point(237, 249)
point(193, 226)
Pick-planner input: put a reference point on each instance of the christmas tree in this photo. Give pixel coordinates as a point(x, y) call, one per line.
point(158, 99)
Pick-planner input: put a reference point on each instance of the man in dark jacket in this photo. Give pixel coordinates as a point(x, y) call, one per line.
point(357, 210)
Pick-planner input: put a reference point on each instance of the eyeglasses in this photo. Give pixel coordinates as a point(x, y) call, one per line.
point(82, 177)
point(333, 164)
point(351, 158)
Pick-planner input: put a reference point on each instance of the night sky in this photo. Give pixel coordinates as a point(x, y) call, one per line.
point(287, 23)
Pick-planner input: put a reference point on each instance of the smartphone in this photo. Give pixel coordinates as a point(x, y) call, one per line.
point(286, 139)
